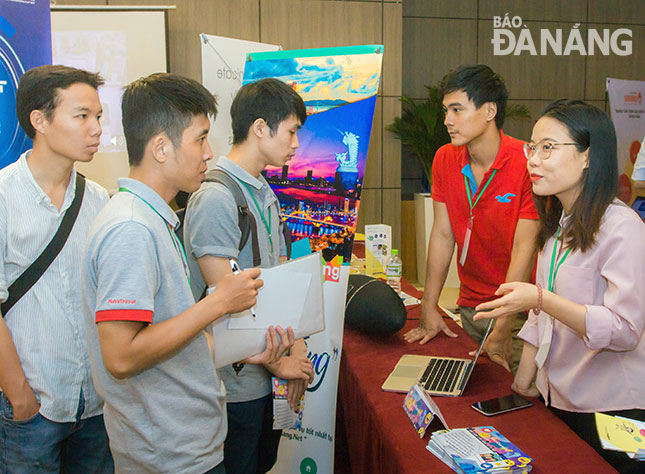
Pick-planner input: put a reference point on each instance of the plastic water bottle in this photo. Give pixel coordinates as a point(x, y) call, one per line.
point(394, 271)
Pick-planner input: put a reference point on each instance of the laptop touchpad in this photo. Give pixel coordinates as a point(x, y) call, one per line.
point(407, 371)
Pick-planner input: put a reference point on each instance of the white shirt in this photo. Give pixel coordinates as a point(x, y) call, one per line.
point(46, 325)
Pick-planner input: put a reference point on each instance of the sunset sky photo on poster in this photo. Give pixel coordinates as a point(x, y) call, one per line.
point(330, 77)
point(319, 189)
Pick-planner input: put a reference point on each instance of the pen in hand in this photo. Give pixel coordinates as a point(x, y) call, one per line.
point(236, 269)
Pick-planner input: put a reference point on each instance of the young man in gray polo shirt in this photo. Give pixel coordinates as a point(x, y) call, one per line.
point(50, 415)
point(266, 116)
point(149, 356)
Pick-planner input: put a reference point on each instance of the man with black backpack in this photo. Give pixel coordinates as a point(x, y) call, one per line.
point(51, 416)
point(236, 215)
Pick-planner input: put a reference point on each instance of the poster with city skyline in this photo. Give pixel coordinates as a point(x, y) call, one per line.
point(320, 188)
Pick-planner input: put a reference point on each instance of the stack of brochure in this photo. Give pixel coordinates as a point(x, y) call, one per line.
point(482, 449)
point(622, 434)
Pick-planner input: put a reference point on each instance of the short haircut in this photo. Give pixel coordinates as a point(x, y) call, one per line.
point(39, 90)
point(269, 99)
point(590, 129)
point(161, 103)
point(481, 85)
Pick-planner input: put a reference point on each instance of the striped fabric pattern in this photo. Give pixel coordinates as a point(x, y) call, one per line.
point(47, 323)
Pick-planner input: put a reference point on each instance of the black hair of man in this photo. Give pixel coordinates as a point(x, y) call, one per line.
point(481, 84)
point(161, 103)
point(269, 99)
point(39, 88)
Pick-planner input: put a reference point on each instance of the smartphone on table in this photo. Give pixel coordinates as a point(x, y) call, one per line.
point(505, 404)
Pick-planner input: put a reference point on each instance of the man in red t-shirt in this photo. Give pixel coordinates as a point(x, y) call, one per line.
point(483, 203)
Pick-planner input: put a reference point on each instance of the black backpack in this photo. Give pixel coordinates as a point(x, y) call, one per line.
point(245, 219)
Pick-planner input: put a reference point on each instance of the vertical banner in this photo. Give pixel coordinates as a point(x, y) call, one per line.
point(628, 114)
point(222, 73)
point(319, 192)
point(25, 42)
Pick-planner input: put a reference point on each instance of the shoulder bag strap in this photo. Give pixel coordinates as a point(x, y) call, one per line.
point(32, 274)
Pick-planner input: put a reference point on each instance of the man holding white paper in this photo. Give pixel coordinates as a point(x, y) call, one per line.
point(266, 116)
point(164, 402)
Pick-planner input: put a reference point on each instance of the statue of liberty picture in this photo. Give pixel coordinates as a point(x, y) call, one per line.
point(320, 188)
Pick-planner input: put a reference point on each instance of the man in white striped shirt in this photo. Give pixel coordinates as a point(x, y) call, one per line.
point(51, 416)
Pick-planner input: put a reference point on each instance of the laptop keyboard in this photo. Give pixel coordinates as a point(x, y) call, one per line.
point(442, 375)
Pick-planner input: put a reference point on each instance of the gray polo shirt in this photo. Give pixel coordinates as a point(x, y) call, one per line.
point(169, 418)
point(211, 228)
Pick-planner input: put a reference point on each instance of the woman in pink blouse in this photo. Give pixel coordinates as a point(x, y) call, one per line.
point(584, 343)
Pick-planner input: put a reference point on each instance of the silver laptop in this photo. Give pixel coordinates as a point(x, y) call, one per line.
point(443, 376)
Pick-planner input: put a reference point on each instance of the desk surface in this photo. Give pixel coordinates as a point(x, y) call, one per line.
point(380, 438)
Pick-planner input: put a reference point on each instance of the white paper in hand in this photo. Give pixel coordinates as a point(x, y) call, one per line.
point(234, 345)
point(280, 301)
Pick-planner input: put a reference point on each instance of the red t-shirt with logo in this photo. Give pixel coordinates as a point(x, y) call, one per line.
point(507, 198)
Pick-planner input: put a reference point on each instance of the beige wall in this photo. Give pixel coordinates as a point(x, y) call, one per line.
point(423, 40)
point(297, 24)
point(440, 35)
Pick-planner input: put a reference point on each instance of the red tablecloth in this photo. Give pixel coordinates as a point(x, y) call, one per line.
point(374, 435)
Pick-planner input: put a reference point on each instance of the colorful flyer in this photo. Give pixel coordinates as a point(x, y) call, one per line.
point(620, 434)
point(283, 416)
point(418, 409)
point(378, 245)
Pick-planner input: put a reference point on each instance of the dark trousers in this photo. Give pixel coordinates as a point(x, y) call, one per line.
point(251, 445)
point(219, 469)
point(584, 424)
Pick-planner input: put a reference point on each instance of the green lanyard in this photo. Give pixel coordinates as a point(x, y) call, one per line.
point(175, 242)
point(470, 199)
point(267, 225)
point(553, 270)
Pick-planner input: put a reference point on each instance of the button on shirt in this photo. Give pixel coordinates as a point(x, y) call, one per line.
point(605, 369)
point(46, 324)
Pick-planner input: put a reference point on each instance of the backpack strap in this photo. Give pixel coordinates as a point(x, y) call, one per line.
point(32, 274)
point(245, 219)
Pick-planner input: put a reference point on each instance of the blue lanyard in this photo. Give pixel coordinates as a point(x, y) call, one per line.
point(175, 241)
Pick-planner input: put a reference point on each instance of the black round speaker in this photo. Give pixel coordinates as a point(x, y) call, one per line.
point(372, 306)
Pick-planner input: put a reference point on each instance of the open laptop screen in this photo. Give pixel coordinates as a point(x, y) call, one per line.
point(471, 366)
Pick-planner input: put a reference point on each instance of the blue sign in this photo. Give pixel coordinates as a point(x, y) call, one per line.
point(25, 42)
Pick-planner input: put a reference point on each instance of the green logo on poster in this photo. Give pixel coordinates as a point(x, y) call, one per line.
point(308, 466)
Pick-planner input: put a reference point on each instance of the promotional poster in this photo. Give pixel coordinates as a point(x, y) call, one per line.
point(628, 114)
point(319, 192)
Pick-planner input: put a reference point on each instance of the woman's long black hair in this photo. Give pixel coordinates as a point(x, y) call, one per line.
point(590, 128)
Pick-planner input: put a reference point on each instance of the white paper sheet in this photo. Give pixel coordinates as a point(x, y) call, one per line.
point(234, 345)
point(280, 301)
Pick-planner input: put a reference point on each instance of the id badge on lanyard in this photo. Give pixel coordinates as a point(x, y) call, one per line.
point(547, 337)
point(464, 249)
point(469, 225)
